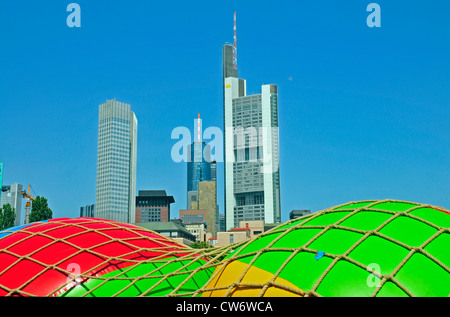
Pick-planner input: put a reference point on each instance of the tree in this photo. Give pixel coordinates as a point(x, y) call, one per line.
point(7, 217)
point(40, 210)
point(201, 245)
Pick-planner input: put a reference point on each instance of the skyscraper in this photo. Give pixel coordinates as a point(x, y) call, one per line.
point(116, 162)
point(252, 175)
point(199, 166)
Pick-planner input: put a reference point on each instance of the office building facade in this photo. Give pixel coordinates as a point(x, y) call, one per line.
point(116, 162)
point(297, 213)
point(207, 200)
point(12, 194)
point(194, 220)
point(251, 148)
point(88, 211)
point(153, 206)
point(199, 168)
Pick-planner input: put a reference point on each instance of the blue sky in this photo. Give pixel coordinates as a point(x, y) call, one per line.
point(363, 112)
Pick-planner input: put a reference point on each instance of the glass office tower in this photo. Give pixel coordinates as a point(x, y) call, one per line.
point(199, 164)
point(116, 162)
point(252, 175)
point(199, 168)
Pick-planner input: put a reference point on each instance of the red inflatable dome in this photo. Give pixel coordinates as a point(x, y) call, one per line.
point(40, 259)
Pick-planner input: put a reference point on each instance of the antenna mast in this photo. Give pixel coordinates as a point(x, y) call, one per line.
point(198, 129)
point(234, 44)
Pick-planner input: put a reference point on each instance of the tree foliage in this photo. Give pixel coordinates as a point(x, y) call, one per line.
point(201, 245)
point(7, 217)
point(40, 210)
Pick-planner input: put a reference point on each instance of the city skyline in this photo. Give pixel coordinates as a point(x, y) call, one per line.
point(363, 111)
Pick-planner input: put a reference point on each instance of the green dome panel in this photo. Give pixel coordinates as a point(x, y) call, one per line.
point(434, 248)
point(355, 205)
point(369, 248)
point(346, 280)
point(390, 289)
point(386, 254)
point(326, 219)
point(335, 241)
point(437, 217)
point(366, 220)
point(393, 206)
point(402, 227)
point(295, 238)
point(305, 262)
point(423, 277)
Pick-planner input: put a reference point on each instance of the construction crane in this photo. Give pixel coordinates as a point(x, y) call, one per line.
point(28, 204)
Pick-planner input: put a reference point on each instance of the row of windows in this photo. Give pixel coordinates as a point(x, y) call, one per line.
point(154, 203)
point(121, 163)
point(114, 146)
point(114, 129)
point(151, 209)
point(113, 176)
point(150, 216)
point(119, 141)
point(192, 218)
point(106, 184)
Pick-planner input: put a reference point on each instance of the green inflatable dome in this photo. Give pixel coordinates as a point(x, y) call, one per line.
point(359, 249)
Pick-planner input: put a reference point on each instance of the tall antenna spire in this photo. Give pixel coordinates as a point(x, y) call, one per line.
point(198, 129)
point(234, 44)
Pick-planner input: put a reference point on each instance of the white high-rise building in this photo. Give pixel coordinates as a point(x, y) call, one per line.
point(116, 162)
point(252, 174)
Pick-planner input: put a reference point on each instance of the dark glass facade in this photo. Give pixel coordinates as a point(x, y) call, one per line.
point(199, 165)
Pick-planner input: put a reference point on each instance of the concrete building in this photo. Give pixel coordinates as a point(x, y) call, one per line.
point(297, 213)
point(221, 223)
point(116, 162)
point(153, 206)
point(251, 168)
point(192, 199)
point(194, 220)
point(207, 200)
point(246, 230)
point(173, 229)
point(12, 194)
point(88, 211)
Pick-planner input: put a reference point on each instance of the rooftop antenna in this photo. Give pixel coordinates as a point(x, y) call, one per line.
point(234, 44)
point(198, 129)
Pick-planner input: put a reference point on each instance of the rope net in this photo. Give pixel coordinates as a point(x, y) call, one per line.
point(365, 248)
point(369, 248)
point(96, 257)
